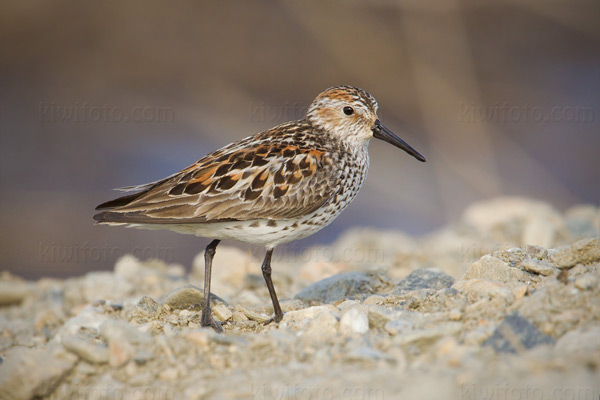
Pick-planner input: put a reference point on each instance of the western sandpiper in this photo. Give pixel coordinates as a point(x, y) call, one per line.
point(280, 185)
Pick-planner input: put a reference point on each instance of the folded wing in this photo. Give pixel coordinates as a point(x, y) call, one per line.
point(267, 176)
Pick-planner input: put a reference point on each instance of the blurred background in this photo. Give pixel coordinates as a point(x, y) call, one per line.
point(502, 97)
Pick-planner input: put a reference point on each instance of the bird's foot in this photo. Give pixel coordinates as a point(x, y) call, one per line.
point(208, 320)
point(276, 318)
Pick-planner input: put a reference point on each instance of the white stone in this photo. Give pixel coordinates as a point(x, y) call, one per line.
point(354, 320)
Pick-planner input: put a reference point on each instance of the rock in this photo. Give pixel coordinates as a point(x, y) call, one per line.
point(585, 251)
point(423, 337)
point(344, 286)
point(398, 326)
point(539, 267)
point(253, 316)
point(482, 288)
point(90, 351)
point(519, 290)
point(323, 325)
point(230, 267)
point(119, 353)
point(513, 257)
point(374, 299)
point(13, 292)
point(200, 338)
point(89, 318)
point(367, 354)
point(316, 270)
point(28, 373)
point(583, 221)
point(516, 334)
point(145, 310)
point(379, 315)
point(113, 329)
point(536, 252)
point(105, 286)
point(354, 320)
point(366, 247)
point(222, 312)
point(454, 315)
point(129, 267)
point(583, 343)
point(122, 339)
point(188, 296)
point(518, 220)
point(310, 318)
point(168, 374)
point(494, 269)
point(423, 279)
point(586, 281)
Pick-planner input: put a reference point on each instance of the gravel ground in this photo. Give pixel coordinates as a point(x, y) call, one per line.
point(504, 304)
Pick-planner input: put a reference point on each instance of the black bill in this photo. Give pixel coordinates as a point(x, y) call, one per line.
point(383, 133)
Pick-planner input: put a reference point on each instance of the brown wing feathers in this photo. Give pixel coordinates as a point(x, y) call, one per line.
point(259, 177)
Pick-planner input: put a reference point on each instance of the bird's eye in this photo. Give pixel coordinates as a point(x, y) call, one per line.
point(348, 110)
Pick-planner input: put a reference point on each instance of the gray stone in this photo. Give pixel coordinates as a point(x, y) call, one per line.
point(31, 373)
point(344, 286)
point(516, 334)
point(424, 279)
point(585, 252)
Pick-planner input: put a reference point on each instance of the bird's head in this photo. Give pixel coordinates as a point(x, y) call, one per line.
point(350, 114)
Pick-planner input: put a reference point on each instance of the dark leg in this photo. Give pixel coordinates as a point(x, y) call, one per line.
point(207, 319)
point(266, 270)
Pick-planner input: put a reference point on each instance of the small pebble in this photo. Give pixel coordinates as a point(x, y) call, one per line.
point(222, 312)
point(169, 374)
point(354, 320)
point(539, 267)
point(374, 299)
point(454, 314)
point(398, 326)
point(586, 281)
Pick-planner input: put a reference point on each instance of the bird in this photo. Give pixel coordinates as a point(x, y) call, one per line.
point(280, 185)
